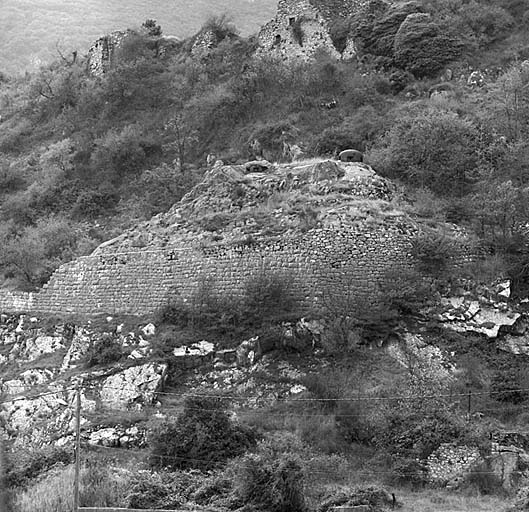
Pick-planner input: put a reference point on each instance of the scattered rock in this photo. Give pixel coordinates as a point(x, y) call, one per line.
point(149, 330)
point(117, 437)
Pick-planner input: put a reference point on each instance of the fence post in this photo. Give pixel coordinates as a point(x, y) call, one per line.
point(4, 498)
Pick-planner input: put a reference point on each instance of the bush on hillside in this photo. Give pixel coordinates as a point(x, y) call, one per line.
point(104, 351)
point(272, 482)
point(406, 291)
point(416, 435)
point(433, 251)
point(26, 465)
point(30, 256)
point(429, 148)
point(488, 22)
point(202, 437)
point(375, 25)
point(221, 26)
point(423, 47)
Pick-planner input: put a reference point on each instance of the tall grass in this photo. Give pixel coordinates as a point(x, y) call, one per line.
point(100, 486)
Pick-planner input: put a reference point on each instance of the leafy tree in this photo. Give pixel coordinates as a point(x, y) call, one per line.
point(202, 437)
point(152, 28)
point(488, 22)
point(432, 148)
point(508, 103)
point(30, 256)
point(221, 26)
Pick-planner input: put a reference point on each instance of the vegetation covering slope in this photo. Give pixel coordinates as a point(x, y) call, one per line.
point(83, 158)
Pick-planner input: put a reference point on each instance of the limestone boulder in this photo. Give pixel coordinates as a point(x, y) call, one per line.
point(134, 386)
point(117, 437)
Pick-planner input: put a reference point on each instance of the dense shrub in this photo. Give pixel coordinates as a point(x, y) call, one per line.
point(506, 385)
point(26, 465)
point(375, 25)
point(106, 350)
point(431, 148)
point(202, 437)
point(407, 291)
point(423, 47)
point(433, 250)
point(272, 482)
point(159, 490)
point(410, 434)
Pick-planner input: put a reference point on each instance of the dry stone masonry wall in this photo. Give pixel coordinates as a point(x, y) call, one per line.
point(141, 282)
point(348, 251)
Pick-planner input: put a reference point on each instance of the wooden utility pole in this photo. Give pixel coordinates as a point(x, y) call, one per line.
point(4, 498)
point(77, 448)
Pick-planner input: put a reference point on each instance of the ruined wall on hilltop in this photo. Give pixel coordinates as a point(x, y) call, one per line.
point(340, 260)
point(277, 38)
point(101, 53)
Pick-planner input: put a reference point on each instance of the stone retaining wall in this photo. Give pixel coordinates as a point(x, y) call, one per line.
point(136, 282)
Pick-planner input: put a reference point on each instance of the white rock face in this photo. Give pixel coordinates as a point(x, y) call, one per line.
point(78, 349)
point(118, 437)
point(42, 420)
point(202, 348)
point(464, 316)
point(33, 348)
point(13, 387)
point(136, 385)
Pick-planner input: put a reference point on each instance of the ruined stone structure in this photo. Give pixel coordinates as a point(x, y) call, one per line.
point(213, 235)
point(302, 27)
point(101, 53)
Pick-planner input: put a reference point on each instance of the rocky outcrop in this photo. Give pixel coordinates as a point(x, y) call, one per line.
point(45, 419)
point(134, 386)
